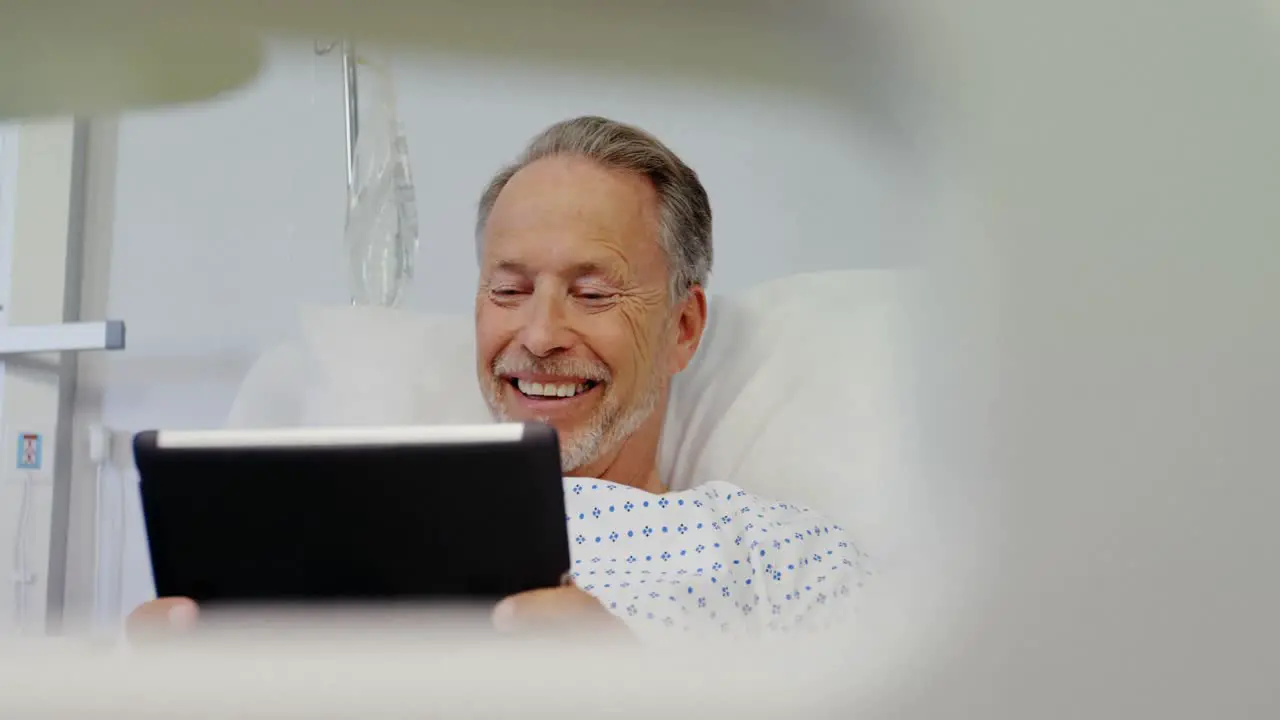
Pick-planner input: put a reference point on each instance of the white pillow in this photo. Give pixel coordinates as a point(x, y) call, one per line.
point(389, 367)
point(797, 394)
point(365, 366)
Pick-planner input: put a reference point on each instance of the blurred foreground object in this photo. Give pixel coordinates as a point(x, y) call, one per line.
point(87, 56)
point(60, 58)
point(433, 666)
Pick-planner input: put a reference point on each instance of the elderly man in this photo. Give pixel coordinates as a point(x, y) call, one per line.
point(594, 249)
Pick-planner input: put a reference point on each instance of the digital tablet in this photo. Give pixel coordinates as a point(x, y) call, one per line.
point(447, 513)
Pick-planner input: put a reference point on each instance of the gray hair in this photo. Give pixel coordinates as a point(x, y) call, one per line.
point(684, 212)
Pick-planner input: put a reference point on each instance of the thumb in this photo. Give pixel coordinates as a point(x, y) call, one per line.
point(549, 607)
point(161, 617)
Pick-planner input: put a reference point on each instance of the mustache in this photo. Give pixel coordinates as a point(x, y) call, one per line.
point(523, 362)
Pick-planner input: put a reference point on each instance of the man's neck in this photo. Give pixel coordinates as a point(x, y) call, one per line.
point(649, 481)
point(634, 463)
point(617, 469)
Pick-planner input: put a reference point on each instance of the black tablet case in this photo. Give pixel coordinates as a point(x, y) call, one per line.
point(443, 522)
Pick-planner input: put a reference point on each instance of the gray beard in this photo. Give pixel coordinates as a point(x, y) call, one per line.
point(604, 432)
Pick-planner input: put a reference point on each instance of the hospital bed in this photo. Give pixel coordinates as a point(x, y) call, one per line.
point(800, 391)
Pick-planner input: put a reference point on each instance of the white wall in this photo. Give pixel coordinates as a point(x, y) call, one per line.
point(209, 225)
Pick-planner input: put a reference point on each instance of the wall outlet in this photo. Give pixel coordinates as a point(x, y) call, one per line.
point(30, 451)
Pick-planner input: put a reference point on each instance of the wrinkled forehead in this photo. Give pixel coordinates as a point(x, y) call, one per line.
point(564, 212)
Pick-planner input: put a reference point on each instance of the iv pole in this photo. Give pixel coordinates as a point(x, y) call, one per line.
point(351, 102)
point(350, 96)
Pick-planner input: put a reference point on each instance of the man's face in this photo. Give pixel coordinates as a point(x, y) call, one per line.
point(573, 326)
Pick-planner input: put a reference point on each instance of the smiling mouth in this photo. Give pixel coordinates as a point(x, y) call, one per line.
point(551, 390)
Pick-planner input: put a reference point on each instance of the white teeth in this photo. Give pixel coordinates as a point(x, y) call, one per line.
point(563, 390)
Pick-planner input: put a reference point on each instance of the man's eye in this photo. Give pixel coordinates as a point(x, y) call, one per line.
point(506, 295)
point(593, 295)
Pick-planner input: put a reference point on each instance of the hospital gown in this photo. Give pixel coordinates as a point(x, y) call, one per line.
point(712, 560)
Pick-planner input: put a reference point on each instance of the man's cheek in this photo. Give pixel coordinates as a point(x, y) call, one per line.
point(626, 337)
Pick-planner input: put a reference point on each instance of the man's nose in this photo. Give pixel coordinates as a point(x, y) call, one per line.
point(546, 330)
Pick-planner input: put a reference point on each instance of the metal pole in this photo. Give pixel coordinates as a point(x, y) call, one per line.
point(351, 98)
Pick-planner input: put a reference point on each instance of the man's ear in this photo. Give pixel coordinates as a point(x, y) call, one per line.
point(690, 321)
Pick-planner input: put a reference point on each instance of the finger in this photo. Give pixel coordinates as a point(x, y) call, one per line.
point(162, 617)
point(547, 608)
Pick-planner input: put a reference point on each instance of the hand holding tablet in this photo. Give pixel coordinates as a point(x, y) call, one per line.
point(418, 515)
